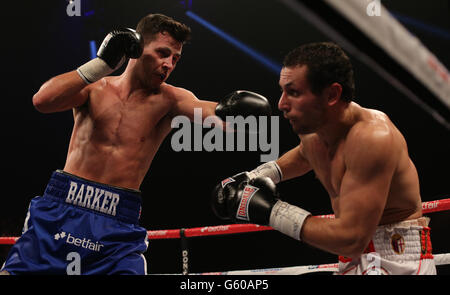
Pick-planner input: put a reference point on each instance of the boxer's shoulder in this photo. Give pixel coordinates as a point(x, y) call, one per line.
point(176, 93)
point(370, 124)
point(371, 136)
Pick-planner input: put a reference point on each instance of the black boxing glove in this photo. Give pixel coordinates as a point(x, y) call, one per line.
point(243, 103)
point(225, 188)
point(120, 44)
point(113, 52)
point(256, 201)
point(253, 201)
point(229, 185)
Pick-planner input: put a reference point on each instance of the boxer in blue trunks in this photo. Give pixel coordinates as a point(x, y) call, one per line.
point(87, 221)
point(81, 226)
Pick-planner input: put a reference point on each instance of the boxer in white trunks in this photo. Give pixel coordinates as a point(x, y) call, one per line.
point(361, 159)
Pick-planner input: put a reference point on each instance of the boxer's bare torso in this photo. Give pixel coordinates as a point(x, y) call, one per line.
point(358, 154)
point(115, 137)
point(330, 163)
point(120, 121)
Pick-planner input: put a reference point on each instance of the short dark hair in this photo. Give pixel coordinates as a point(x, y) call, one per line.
point(150, 25)
point(326, 63)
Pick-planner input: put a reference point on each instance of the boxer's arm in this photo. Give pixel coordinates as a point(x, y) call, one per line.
point(290, 165)
point(186, 102)
point(293, 163)
point(61, 93)
point(370, 165)
point(237, 103)
point(69, 90)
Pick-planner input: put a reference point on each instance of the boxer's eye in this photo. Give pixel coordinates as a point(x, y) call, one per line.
point(163, 53)
point(176, 58)
point(293, 92)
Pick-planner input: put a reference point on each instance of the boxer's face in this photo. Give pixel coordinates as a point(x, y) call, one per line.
point(159, 58)
point(304, 110)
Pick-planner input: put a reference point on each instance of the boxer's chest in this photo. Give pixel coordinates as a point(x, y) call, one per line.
point(327, 163)
point(133, 116)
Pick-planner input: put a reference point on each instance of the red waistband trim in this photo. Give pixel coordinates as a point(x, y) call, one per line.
point(425, 242)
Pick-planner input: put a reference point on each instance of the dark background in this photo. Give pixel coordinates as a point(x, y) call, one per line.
point(40, 41)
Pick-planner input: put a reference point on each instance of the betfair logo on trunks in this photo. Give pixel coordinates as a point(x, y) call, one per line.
point(78, 242)
point(92, 198)
point(191, 138)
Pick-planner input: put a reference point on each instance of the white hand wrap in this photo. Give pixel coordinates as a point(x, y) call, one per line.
point(288, 219)
point(96, 69)
point(269, 169)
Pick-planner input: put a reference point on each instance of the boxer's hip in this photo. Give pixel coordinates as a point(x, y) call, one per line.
point(121, 203)
point(398, 248)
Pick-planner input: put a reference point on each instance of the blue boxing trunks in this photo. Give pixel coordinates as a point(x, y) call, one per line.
point(80, 227)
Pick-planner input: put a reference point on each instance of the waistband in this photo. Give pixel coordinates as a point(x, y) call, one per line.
point(403, 241)
point(121, 203)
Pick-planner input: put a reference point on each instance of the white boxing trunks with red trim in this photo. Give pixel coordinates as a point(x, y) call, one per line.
point(402, 248)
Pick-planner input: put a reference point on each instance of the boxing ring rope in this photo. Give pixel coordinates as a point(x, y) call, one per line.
point(184, 234)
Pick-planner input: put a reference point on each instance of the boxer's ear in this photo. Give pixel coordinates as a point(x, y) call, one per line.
point(333, 93)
